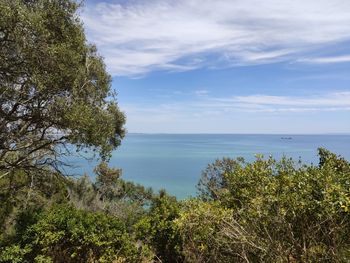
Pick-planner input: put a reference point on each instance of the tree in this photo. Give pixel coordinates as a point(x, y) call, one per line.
point(107, 181)
point(54, 88)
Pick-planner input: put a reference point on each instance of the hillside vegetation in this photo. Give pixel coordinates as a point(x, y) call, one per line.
point(264, 211)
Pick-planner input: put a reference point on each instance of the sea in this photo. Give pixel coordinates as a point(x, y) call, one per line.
point(175, 162)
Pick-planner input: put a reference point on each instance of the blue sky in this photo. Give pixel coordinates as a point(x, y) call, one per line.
point(243, 66)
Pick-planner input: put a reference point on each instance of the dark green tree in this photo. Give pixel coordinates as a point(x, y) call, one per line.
point(54, 88)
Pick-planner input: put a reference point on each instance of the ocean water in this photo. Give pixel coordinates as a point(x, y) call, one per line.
point(174, 161)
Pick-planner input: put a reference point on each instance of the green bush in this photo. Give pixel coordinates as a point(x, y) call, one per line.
point(66, 234)
point(158, 229)
point(294, 212)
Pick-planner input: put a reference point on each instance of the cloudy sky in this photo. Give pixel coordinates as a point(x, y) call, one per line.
point(227, 66)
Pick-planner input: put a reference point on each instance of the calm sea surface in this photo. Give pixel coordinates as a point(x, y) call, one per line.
point(174, 162)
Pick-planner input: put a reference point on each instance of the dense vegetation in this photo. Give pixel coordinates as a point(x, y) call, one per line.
point(55, 92)
point(264, 211)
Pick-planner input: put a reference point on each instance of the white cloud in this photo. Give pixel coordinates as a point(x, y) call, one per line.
point(333, 100)
point(327, 60)
point(140, 36)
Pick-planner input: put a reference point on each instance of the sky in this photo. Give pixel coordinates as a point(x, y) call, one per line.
point(226, 66)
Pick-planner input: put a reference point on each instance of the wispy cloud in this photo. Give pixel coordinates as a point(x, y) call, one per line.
point(335, 100)
point(338, 101)
point(201, 92)
point(136, 37)
point(326, 60)
point(230, 114)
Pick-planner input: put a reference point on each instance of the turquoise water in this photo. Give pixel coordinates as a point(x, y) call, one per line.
point(174, 162)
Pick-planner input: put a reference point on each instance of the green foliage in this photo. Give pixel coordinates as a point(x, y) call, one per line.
point(200, 225)
point(54, 89)
point(24, 191)
point(26, 212)
point(66, 234)
point(107, 180)
point(292, 212)
point(14, 254)
point(159, 230)
point(210, 233)
point(111, 187)
point(110, 194)
point(263, 211)
point(212, 180)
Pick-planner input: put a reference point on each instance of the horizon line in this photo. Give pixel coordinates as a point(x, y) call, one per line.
point(206, 133)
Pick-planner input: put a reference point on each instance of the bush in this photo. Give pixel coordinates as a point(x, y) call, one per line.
point(296, 212)
point(66, 234)
point(158, 229)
